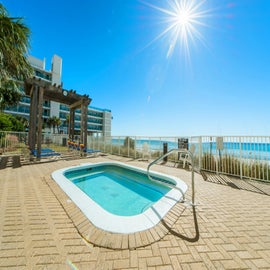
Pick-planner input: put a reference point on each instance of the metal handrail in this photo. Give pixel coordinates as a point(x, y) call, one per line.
point(170, 185)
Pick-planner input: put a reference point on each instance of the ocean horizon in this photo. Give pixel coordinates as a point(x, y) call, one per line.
point(245, 150)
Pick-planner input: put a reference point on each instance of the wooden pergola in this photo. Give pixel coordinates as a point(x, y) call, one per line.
point(40, 90)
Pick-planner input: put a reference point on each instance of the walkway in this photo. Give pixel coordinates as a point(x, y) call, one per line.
point(36, 231)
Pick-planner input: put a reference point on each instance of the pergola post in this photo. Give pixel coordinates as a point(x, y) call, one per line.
point(33, 117)
point(84, 112)
point(39, 129)
point(71, 124)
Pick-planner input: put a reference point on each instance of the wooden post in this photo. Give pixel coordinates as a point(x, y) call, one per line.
point(83, 134)
point(71, 124)
point(39, 131)
point(33, 118)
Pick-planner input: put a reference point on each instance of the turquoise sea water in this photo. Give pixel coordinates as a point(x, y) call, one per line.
point(153, 144)
point(118, 190)
point(258, 151)
point(246, 150)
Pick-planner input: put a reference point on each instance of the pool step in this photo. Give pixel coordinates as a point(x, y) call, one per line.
point(82, 176)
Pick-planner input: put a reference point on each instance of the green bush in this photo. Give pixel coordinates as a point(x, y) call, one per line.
point(128, 142)
point(10, 123)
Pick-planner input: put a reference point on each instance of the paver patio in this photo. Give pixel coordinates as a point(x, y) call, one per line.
point(38, 232)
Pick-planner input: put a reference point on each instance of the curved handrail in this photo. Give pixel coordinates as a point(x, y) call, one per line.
point(170, 185)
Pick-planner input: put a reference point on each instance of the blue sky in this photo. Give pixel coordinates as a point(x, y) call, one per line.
point(108, 53)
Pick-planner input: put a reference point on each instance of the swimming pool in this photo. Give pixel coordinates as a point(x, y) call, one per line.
point(117, 197)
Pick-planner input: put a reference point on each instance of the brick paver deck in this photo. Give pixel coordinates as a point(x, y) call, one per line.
point(41, 229)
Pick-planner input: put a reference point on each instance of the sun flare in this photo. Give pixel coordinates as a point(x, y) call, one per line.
point(183, 20)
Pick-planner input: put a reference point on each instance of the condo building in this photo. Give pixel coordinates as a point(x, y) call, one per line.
point(98, 122)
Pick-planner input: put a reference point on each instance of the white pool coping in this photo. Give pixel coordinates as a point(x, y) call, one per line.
point(114, 223)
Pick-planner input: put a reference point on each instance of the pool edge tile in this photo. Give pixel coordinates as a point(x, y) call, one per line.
point(105, 239)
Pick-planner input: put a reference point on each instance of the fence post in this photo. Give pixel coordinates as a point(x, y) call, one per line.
point(165, 150)
point(5, 141)
point(241, 165)
point(135, 142)
point(118, 146)
point(128, 145)
point(200, 152)
point(149, 148)
point(111, 142)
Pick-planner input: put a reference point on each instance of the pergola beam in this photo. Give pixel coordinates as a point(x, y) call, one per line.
point(76, 105)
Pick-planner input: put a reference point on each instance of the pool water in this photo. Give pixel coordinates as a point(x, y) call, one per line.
point(119, 191)
point(118, 197)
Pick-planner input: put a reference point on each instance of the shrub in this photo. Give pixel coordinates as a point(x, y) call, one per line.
point(10, 123)
point(128, 142)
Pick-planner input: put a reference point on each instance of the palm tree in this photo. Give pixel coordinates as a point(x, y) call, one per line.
point(23, 120)
point(58, 123)
point(50, 123)
point(14, 66)
point(66, 122)
point(54, 122)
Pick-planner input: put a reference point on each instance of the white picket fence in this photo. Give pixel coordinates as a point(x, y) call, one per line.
point(241, 156)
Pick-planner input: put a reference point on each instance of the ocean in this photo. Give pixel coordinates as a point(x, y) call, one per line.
point(245, 150)
point(154, 145)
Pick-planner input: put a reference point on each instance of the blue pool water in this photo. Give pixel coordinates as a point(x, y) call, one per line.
point(117, 197)
point(118, 190)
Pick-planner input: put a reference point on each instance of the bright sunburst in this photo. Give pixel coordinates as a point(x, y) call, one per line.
point(183, 19)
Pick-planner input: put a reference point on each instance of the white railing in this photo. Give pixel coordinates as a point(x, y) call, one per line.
point(17, 142)
point(241, 156)
point(180, 151)
point(14, 142)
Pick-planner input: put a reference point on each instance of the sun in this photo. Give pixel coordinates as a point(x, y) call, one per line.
point(183, 20)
